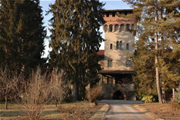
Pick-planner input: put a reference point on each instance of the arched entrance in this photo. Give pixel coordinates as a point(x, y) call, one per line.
point(118, 95)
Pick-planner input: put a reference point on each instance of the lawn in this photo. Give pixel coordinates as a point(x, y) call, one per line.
point(65, 111)
point(165, 111)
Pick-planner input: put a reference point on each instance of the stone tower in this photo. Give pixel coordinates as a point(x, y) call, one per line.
point(116, 70)
point(118, 40)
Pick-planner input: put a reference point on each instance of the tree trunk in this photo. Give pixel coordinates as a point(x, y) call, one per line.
point(56, 101)
point(6, 103)
point(157, 71)
point(75, 91)
point(173, 91)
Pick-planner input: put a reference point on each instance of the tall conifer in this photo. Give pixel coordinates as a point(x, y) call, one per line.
point(76, 39)
point(158, 24)
point(22, 34)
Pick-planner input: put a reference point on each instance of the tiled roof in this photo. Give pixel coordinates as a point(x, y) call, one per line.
point(118, 10)
point(100, 52)
point(116, 71)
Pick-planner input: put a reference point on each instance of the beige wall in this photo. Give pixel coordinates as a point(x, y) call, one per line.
point(118, 56)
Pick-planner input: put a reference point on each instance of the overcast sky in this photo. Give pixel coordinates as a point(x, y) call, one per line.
point(109, 4)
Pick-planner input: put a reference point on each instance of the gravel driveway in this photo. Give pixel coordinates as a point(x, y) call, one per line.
point(124, 110)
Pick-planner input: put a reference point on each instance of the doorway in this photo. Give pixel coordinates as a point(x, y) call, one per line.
point(118, 95)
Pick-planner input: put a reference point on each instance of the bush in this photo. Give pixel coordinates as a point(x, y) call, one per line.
point(148, 98)
point(39, 91)
point(177, 95)
point(95, 93)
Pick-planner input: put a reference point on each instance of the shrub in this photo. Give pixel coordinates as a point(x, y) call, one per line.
point(177, 95)
point(8, 84)
point(38, 91)
point(148, 98)
point(95, 93)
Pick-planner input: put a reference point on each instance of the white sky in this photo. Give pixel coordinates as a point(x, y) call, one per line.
point(110, 4)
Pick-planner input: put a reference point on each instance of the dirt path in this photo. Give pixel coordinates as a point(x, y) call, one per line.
point(124, 110)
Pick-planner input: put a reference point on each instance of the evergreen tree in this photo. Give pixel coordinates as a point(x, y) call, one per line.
point(76, 39)
point(158, 25)
point(22, 34)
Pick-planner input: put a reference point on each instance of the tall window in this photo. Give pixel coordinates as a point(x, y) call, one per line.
point(120, 45)
point(110, 28)
point(105, 28)
point(117, 45)
point(122, 27)
point(109, 63)
point(127, 46)
point(116, 27)
point(110, 46)
point(127, 27)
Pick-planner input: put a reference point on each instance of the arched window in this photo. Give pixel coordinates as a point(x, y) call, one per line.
point(127, 27)
point(120, 44)
point(122, 27)
point(110, 28)
point(117, 45)
point(116, 27)
point(127, 46)
point(132, 27)
point(105, 28)
point(110, 46)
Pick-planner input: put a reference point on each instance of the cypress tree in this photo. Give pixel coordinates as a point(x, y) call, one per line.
point(22, 34)
point(76, 39)
point(158, 26)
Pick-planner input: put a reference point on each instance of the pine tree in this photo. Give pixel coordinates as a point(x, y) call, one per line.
point(76, 39)
point(158, 25)
point(22, 34)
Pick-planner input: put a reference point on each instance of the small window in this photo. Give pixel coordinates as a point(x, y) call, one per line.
point(110, 28)
point(116, 27)
point(122, 27)
point(127, 27)
point(127, 46)
point(110, 46)
point(109, 63)
point(117, 45)
point(105, 28)
point(120, 45)
point(128, 63)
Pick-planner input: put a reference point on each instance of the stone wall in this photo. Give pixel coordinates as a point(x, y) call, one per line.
point(126, 89)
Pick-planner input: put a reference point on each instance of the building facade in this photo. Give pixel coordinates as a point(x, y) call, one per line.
point(116, 73)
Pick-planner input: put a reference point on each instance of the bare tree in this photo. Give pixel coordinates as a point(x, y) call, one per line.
point(58, 87)
point(38, 91)
point(8, 85)
point(35, 95)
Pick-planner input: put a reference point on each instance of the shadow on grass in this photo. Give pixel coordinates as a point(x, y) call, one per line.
point(11, 113)
point(48, 112)
point(23, 113)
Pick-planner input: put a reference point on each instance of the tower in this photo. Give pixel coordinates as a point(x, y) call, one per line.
point(117, 72)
